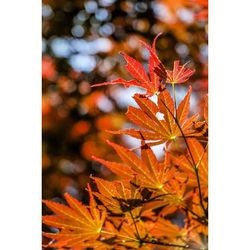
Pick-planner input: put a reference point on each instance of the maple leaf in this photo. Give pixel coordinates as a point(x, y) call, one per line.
point(200, 157)
point(141, 79)
point(160, 130)
point(76, 222)
point(148, 170)
point(179, 74)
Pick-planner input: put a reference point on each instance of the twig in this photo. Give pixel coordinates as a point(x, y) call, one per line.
point(194, 164)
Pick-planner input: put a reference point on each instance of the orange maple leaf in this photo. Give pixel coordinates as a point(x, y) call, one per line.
point(160, 130)
point(77, 223)
point(149, 171)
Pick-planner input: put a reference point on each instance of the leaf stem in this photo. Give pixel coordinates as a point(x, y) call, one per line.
point(175, 105)
point(136, 229)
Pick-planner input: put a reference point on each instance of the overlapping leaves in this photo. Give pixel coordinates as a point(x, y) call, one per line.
point(136, 70)
point(145, 172)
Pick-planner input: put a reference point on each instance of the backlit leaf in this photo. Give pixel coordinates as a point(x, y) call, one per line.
point(160, 130)
point(136, 70)
point(77, 223)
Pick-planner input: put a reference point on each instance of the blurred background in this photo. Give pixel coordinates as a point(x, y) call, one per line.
point(81, 41)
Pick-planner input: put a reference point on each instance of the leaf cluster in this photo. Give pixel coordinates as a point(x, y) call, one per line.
point(153, 203)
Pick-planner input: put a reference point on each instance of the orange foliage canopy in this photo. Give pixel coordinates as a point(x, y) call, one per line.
point(152, 202)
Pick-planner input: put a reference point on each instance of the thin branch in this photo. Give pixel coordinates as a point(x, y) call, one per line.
point(202, 220)
point(136, 229)
point(175, 105)
point(190, 153)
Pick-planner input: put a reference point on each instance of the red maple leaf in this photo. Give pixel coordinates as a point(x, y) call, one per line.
point(141, 79)
point(179, 74)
